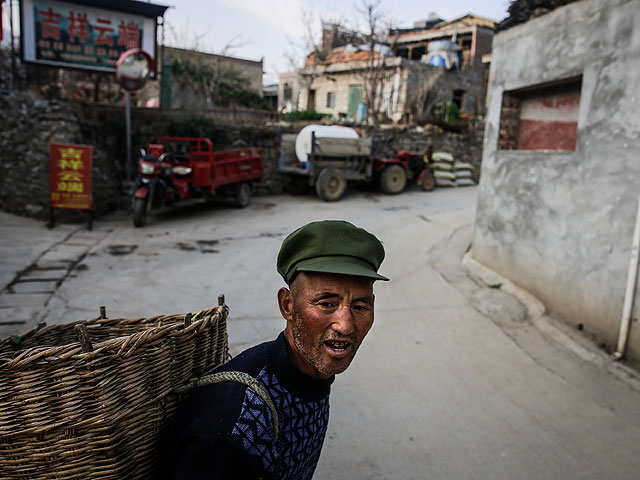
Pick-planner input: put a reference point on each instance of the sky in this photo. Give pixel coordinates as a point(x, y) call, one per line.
point(274, 30)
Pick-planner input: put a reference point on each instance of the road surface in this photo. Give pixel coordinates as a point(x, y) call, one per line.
point(453, 380)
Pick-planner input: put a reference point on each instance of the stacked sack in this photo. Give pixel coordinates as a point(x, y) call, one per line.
point(450, 173)
point(464, 174)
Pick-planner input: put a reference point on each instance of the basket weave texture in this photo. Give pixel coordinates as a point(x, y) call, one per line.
point(70, 414)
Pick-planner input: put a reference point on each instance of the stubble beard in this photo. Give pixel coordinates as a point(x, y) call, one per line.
point(312, 350)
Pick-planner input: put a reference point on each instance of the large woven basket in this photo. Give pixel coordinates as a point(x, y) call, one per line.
point(70, 413)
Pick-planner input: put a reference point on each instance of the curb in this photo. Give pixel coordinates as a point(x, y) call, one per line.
point(550, 328)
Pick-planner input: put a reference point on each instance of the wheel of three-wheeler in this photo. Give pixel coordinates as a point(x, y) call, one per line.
point(242, 195)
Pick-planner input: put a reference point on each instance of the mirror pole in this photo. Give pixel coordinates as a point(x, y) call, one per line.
point(127, 108)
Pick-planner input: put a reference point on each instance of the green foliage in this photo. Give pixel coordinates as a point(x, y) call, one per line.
point(448, 112)
point(220, 85)
point(229, 95)
point(301, 115)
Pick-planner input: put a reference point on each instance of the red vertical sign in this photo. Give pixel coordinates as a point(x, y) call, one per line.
point(70, 176)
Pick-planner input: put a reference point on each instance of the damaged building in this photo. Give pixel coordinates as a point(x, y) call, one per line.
point(420, 69)
point(558, 195)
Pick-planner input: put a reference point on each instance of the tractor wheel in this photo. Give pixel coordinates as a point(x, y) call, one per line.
point(331, 185)
point(428, 182)
point(393, 179)
point(139, 211)
point(243, 195)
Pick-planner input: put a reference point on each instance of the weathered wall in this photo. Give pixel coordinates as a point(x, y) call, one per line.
point(465, 147)
point(560, 224)
point(31, 123)
point(27, 125)
point(435, 85)
point(483, 38)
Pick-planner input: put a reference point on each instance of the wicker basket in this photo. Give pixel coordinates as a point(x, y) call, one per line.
point(70, 413)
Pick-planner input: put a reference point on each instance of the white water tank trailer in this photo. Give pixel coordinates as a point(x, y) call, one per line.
point(304, 138)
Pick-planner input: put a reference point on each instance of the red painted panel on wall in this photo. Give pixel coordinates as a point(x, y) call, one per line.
point(543, 135)
point(549, 120)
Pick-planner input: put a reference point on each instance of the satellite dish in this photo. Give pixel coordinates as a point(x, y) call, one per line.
point(133, 68)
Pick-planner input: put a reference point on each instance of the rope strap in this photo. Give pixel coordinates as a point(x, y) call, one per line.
point(240, 377)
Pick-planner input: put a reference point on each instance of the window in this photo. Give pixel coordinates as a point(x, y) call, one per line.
point(457, 97)
point(541, 118)
point(418, 52)
point(288, 93)
point(331, 100)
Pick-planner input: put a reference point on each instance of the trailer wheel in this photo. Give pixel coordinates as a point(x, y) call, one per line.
point(393, 179)
point(331, 185)
point(428, 182)
point(243, 195)
point(139, 211)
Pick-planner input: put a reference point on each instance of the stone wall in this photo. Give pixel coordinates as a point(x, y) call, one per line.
point(465, 146)
point(27, 126)
point(31, 123)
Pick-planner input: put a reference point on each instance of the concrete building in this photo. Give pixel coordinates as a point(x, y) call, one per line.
point(406, 88)
point(288, 92)
point(334, 80)
point(472, 33)
point(560, 171)
point(270, 95)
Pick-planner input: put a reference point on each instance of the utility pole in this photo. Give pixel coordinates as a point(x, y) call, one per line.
point(13, 49)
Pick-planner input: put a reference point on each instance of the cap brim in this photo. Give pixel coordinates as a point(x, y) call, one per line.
point(341, 267)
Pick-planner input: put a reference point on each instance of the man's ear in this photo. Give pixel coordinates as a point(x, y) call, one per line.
point(285, 303)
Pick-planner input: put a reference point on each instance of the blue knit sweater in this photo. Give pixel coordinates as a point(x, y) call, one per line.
point(225, 430)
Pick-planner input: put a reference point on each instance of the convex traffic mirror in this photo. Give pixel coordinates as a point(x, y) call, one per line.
point(133, 68)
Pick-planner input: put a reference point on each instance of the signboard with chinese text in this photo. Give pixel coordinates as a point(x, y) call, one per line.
point(70, 176)
point(69, 34)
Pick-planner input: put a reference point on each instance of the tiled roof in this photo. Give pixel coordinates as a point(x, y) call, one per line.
point(341, 55)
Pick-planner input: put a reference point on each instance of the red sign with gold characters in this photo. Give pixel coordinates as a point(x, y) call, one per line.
point(70, 176)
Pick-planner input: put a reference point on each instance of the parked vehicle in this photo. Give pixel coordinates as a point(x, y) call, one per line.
point(177, 169)
point(329, 163)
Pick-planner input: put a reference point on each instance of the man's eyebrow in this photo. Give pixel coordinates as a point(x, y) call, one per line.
point(323, 295)
point(366, 299)
point(327, 294)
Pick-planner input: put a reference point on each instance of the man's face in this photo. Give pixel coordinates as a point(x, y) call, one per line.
point(327, 316)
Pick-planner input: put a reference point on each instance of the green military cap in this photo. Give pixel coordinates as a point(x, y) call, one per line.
point(330, 246)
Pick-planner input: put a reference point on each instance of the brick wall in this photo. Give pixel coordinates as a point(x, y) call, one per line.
point(509, 122)
point(484, 40)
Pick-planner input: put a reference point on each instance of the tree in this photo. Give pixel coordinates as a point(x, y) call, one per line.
point(425, 95)
point(378, 25)
point(307, 55)
point(373, 52)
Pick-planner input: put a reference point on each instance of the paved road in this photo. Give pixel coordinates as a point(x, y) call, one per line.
point(453, 380)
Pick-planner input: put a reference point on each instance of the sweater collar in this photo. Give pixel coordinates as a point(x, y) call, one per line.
point(296, 382)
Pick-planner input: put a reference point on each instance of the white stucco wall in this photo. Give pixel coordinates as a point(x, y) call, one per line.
point(560, 224)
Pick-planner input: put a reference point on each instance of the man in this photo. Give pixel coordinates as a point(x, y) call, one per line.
point(230, 430)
